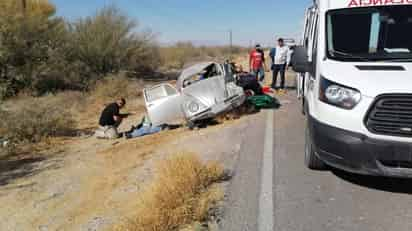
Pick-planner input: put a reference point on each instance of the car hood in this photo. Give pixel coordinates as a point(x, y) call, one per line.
point(372, 81)
point(209, 92)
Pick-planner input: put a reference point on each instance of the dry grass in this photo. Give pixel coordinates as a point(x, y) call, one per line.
point(114, 86)
point(28, 120)
point(36, 120)
point(107, 91)
point(180, 194)
point(176, 56)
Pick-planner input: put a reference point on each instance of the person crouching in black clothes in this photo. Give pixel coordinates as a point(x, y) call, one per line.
point(110, 120)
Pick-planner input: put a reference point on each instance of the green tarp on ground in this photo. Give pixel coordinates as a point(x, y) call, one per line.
point(263, 101)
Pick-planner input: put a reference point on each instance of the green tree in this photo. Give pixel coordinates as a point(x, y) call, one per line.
point(28, 37)
point(42, 53)
point(109, 42)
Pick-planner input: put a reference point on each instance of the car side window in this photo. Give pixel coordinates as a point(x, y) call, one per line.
point(229, 76)
point(159, 92)
point(170, 90)
point(213, 71)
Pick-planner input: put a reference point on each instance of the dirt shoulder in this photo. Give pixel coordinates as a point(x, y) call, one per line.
point(93, 184)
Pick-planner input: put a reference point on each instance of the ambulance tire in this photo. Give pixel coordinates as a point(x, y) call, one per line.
point(311, 160)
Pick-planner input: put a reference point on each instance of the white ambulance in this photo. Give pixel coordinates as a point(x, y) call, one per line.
point(356, 60)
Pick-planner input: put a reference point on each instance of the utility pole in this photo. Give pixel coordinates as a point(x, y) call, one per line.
point(24, 4)
point(231, 43)
point(24, 13)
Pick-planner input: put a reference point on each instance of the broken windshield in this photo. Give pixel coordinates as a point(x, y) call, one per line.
point(209, 72)
point(370, 34)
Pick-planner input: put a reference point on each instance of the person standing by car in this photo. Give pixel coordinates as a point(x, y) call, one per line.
point(280, 59)
point(110, 120)
point(257, 62)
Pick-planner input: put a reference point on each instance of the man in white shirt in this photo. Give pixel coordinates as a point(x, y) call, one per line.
point(280, 60)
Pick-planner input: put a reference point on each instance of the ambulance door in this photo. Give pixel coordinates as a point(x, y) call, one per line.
point(300, 77)
point(312, 47)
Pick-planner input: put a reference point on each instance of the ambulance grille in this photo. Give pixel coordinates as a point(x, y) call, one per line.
point(391, 115)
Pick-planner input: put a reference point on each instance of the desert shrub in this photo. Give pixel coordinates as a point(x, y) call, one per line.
point(106, 91)
point(180, 194)
point(115, 86)
point(43, 53)
point(27, 40)
point(2, 122)
point(109, 42)
point(176, 56)
point(33, 121)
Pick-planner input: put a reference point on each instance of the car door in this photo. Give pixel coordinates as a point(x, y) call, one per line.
point(163, 104)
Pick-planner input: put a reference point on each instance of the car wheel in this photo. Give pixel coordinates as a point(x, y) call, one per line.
point(311, 160)
point(191, 125)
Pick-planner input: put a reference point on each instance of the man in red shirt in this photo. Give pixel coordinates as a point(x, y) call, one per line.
point(257, 62)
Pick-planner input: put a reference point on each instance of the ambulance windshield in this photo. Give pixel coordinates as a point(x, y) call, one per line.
point(370, 34)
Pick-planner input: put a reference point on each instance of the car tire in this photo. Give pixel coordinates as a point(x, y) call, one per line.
point(191, 125)
point(311, 160)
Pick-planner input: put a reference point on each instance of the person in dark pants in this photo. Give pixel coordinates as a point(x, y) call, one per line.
point(110, 120)
point(280, 59)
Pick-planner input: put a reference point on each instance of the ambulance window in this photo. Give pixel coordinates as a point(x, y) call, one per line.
point(399, 31)
point(370, 34)
point(315, 48)
point(313, 38)
point(353, 39)
point(315, 35)
point(308, 28)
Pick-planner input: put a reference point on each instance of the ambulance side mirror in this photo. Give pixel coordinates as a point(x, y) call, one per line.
point(300, 60)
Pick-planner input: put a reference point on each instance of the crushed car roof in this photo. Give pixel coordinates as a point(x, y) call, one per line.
point(192, 70)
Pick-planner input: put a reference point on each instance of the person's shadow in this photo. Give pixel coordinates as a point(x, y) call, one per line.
point(394, 185)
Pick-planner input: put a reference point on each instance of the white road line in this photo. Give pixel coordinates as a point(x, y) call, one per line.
point(266, 192)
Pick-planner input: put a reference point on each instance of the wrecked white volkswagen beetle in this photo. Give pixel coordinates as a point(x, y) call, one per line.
point(202, 91)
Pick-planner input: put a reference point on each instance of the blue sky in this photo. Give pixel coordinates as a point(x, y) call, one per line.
point(204, 22)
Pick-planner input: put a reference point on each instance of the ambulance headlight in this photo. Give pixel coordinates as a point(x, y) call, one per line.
point(338, 95)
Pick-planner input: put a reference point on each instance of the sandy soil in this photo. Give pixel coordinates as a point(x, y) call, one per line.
point(90, 184)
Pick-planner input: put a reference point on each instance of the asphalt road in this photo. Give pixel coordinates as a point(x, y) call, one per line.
point(272, 190)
